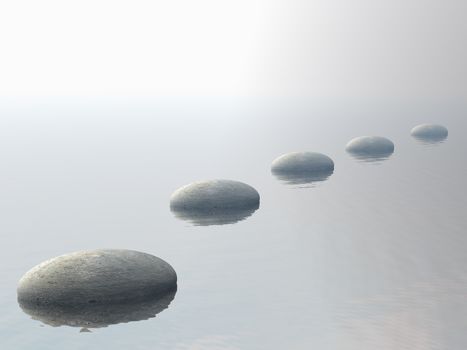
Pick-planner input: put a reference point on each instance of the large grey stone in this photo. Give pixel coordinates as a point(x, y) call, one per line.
point(370, 148)
point(97, 277)
point(302, 167)
point(429, 133)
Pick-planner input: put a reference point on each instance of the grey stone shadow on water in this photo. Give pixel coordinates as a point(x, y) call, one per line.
point(298, 177)
point(214, 216)
point(431, 140)
point(97, 315)
point(373, 158)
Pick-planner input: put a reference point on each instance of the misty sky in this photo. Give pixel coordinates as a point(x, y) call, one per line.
point(322, 48)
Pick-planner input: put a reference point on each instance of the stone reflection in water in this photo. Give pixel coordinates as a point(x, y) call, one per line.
point(370, 148)
point(303, 178)
point(214, 202)
point(298, 168)
point(429, 133)
point(97, 315)
point(216, 216)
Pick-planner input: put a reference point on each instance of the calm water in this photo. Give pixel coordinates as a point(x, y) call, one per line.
point(372, 258)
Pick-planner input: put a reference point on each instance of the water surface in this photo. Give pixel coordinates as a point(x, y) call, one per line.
point(372, 258)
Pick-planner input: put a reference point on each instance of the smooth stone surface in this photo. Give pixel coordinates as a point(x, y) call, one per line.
point(215, 194)
point(429, 133)
point(96, 277)
point(370, 148)
point(214, 202)
point(98, 315)
point(302, 167)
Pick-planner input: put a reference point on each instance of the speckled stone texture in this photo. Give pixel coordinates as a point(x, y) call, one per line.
point(429, 132)
point(302, 167)
point(368, 147)
point(97, 277)
point(214, 194)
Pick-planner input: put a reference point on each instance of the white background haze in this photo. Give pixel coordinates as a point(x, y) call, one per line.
point(324, 48)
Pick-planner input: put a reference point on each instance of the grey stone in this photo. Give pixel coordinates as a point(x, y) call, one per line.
point(215, 194)
point(429, 133)
point(370, 148)
point(214, 202)
point(97, 277)
point(302, 167)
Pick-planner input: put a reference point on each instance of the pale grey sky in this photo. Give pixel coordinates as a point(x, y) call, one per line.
point(321, 48)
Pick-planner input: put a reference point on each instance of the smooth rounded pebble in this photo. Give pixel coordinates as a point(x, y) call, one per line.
point(302, 167)
point(214, 194)
point(429, 132)
point(96, 277)
point(370, 147)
